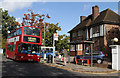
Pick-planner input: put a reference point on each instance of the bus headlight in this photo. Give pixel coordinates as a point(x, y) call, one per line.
point(38, 55)
point(21, 56)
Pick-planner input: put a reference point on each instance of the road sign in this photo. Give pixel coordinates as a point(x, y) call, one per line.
point(55, 36)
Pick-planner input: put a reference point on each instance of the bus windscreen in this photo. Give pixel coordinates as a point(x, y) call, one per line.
point(29, 48)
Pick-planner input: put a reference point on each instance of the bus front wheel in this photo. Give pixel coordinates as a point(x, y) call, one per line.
point(7, 55)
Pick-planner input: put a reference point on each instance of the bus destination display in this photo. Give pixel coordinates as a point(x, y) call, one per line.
point(31, 39)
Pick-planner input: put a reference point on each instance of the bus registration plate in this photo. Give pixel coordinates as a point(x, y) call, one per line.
point(30, 59)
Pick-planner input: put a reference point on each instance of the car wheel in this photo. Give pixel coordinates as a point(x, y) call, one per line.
point(99, 61)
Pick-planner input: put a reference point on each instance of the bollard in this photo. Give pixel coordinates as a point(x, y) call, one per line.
point(48, 59)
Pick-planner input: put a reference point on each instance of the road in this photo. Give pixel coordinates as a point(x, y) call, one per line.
point(15, 69)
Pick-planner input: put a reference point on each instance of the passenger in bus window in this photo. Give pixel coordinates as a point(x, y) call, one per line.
point(33, 51)
point(23, 50)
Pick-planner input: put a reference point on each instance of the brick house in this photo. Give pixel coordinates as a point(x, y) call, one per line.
point(96, 27)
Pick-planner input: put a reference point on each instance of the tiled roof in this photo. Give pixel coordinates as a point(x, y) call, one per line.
point(106, 16)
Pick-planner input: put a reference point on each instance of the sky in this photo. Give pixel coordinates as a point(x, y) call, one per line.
point(67, 14)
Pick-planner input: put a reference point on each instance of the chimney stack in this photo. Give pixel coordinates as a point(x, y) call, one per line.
point(95, 12)
point(82, 18)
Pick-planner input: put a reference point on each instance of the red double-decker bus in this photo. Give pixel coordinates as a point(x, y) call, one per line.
point(24, 43)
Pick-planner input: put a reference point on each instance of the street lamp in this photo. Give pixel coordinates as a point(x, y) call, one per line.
point(115, 39)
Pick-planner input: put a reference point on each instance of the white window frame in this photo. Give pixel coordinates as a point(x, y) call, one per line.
point(91, 32)
point(102, 30)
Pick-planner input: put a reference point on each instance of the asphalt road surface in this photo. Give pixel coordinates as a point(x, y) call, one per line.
point(14, 69)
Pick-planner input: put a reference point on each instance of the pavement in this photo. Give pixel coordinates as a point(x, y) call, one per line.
point(82, 68)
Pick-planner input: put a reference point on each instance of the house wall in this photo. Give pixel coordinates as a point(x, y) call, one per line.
point(107, 41)
point(101, 43)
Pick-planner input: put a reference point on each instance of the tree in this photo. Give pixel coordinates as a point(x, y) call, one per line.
point(62, 39)
point(62, 42)
point(37, 20)
point(52, 28)
point(8, 23)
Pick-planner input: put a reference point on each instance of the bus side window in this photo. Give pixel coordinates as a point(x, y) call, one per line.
point(17, 32)
point(12, 47)
point(19, 48)
point(20, 31)
point(12, 34)
point(9, 35)
point(8, 47)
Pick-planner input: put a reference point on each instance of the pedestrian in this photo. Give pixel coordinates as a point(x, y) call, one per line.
point(59, 57)
point(65, 56)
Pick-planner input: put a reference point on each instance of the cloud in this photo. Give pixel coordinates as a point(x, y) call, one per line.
point(12, 5)
point(19, 20)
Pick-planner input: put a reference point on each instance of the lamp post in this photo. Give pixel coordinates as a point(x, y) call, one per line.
point(44, 32)
point(114, 40)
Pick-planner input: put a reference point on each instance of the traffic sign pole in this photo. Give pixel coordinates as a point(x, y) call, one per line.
point(55, 37)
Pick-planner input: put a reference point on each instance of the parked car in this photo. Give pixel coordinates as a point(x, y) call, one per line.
point(98, 56)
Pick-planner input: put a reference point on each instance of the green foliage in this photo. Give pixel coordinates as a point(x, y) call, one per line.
point(62, 42)
point(3, 43)
point(50, 30)
point(8, 23)
point(0, 40)
point(62, 39)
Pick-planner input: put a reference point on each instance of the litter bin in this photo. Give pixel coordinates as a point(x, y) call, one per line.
point(50, 58)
